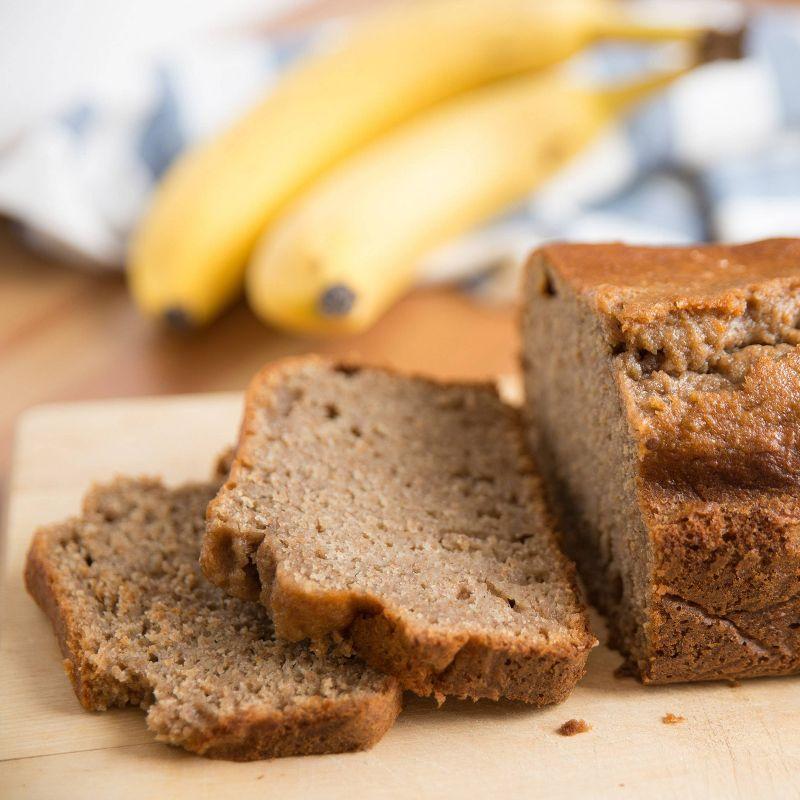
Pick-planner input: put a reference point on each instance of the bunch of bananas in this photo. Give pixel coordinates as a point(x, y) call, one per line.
point(429, 118)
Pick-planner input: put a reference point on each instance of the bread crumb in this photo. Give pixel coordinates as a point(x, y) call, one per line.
point(733, 684)
point(672, 719)
point(574, 726)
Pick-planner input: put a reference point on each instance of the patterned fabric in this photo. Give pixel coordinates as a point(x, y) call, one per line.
point(717, 157)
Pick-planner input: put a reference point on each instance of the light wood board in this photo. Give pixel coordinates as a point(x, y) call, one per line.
point(735, 742)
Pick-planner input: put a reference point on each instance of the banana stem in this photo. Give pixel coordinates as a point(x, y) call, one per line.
point(710, 44)
point(616, 26)
point(617, 98)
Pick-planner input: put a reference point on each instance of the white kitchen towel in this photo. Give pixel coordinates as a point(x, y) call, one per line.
point(716, 157)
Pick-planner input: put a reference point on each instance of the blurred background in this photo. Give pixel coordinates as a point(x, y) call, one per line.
point(363, 178)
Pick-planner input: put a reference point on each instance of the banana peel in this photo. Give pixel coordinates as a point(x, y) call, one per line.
point(187, 257)
point(345, 251)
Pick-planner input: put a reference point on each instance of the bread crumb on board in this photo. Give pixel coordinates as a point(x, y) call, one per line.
point(672, 719)
point(574, 726)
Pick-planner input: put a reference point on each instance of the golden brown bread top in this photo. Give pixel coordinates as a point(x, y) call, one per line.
point(704, 344)
point(695, 275)
point(686, 305)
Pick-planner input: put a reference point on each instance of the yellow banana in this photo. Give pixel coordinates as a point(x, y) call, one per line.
point(187, 258)
point(346, 249)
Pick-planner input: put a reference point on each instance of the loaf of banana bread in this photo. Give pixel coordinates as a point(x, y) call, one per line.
point(663, 400)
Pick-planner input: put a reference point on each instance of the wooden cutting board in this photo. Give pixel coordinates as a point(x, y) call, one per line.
point(741, 741)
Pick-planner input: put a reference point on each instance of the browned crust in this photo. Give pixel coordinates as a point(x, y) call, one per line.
point(599, 267)
point(427, 664)
point(690, 644)
point(726, 591)
point(732, 550)
point(317, 726)
point(94, 690)
point(474, 667)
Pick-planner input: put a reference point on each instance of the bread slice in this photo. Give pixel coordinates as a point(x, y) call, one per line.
point(663, 390)
point(139, 625)
point(406, 516)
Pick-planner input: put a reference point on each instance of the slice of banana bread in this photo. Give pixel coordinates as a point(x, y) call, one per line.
point(139, 625)
point(663, 390)
point(406, 516)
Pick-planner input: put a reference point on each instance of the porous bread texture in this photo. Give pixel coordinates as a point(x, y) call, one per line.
point(139, 625)
point(663, 396)
point(406, 517)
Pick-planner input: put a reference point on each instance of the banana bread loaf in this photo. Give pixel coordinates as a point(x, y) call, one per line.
point(405, 516)
point(663, 395)
point(139, 625)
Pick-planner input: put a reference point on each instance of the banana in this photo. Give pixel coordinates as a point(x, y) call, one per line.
point(346, 249)
point(186, 260)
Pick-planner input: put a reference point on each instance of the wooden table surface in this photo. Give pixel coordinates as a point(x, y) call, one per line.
point(66, 334)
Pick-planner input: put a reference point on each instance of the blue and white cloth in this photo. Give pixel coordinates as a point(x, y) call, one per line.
point(716, 157)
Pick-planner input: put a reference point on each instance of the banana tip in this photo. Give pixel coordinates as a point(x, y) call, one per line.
point(178, 319)
point(337, 300)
